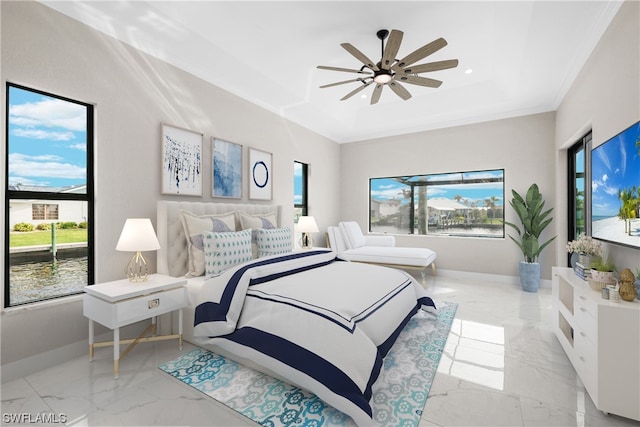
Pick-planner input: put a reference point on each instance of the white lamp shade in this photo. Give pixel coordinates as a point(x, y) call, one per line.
point(138, 235)
point(306, 224)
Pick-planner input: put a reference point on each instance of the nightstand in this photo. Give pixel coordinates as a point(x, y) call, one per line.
point(121, 302)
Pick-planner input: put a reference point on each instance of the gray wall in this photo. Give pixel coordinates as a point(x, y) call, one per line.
point(133, 93)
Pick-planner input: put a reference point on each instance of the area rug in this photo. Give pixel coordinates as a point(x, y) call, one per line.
point(399, 394)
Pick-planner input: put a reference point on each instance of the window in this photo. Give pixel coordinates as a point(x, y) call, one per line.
point(44, 212)
point(48, 196)
point(469, 204)
point(299, 189)
point(577, 161)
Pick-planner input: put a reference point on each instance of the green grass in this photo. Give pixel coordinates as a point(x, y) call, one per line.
point(34, 238)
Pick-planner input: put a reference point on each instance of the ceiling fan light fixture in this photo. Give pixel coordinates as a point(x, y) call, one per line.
point(382, 77)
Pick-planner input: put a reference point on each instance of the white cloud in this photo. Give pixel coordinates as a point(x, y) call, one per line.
point(43, 134)
point(81, 147)
point(46, 166)
point(49, 113)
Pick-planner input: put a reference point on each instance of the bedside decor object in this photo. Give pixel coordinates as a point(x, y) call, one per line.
point(603, 268)
point(306, 225)
point(627, 287)
point(181, 161)
point(260, 175)
point(138, 236)
point(227, 169)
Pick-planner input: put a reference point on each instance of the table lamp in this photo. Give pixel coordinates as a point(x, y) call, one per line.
point(137, 236)
point(306, 225)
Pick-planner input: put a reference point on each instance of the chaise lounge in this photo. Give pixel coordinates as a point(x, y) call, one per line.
point(351, 245)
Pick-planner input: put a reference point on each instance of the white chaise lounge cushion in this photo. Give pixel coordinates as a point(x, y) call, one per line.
point(414, 257)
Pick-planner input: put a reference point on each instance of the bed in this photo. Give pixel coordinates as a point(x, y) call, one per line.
point(305, 317)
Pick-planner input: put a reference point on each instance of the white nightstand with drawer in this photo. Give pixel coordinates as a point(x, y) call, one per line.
point(121, 302)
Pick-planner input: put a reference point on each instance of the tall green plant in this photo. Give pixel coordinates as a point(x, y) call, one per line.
point(534, 220)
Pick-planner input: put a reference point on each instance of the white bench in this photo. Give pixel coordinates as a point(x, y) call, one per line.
point(351, 245)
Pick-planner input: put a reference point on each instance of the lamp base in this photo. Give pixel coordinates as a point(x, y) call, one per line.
point(138, 269)
point(307, 242)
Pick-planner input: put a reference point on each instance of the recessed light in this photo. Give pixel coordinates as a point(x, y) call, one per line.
point(468, 71)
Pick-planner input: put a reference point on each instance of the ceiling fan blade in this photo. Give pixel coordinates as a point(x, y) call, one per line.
point(347, 70)
point(420, 81)
point(399, 90)
point(353, 92)
point(431, 66)
point(375, 96)
point(421, 53)
point(359, 56)
point(391, 49)
point(340, 83)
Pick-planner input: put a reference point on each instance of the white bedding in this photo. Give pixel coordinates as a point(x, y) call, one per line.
point(321, 324)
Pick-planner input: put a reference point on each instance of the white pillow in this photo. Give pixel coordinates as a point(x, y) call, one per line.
point(194, 226)
point(273, 241)
point(255, 222)
point(225, 250)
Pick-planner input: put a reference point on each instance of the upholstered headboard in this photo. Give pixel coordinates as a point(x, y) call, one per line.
point(172, 256)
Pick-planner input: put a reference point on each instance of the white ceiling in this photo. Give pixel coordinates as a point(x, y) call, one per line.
point(524, 54)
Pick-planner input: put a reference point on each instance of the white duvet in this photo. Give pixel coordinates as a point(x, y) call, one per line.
point(319, 323)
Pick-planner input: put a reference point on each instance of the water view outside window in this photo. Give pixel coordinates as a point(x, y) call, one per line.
point(49, 194)
point(468, 204)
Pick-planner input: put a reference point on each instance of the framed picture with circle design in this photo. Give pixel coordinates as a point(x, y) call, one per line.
point(260, 175)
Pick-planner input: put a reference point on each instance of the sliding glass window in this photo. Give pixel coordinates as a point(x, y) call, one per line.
point(467, 204)
point(48, 196)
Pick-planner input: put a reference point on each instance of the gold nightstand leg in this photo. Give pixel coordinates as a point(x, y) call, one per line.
point(116, 369)
point(91, 350)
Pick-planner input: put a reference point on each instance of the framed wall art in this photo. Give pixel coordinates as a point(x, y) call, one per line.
point(260, 175)
point(227, 169)
point(181, 161)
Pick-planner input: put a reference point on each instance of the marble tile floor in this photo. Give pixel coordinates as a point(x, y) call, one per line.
point(502, 366)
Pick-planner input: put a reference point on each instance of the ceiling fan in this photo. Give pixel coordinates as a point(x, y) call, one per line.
point(391, 71)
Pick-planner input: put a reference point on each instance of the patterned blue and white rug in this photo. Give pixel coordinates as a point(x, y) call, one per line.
point(399, 395)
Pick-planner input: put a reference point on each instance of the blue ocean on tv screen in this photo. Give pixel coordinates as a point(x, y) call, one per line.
point(615, 188)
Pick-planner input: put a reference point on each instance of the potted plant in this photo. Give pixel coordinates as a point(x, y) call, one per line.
point(603, 268)
point(534, 220)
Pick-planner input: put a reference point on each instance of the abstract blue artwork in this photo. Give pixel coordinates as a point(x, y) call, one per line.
point(181, 161)
point(227, 169)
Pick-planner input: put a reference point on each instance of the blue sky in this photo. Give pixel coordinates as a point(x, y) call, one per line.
point(47, 140)
point(388, 188)
point(615, 166)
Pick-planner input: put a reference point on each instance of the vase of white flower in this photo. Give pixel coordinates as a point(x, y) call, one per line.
point(586, 248)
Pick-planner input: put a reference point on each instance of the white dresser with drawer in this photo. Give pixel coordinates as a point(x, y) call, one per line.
point(601, 339)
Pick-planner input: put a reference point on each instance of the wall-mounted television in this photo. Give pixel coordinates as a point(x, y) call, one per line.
point(615, 189)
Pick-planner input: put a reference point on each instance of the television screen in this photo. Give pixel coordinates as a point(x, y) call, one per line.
point(615, 189)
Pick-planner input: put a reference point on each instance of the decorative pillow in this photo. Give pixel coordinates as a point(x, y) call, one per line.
point(255, 222)
point(273, 241)
point(194, 226)
point(224, 250)
point(352, 233)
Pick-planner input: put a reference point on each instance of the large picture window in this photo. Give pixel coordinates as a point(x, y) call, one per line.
point(469, 204)
point(48, 196)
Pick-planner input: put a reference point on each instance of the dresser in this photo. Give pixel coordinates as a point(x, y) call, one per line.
point(601, 339)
